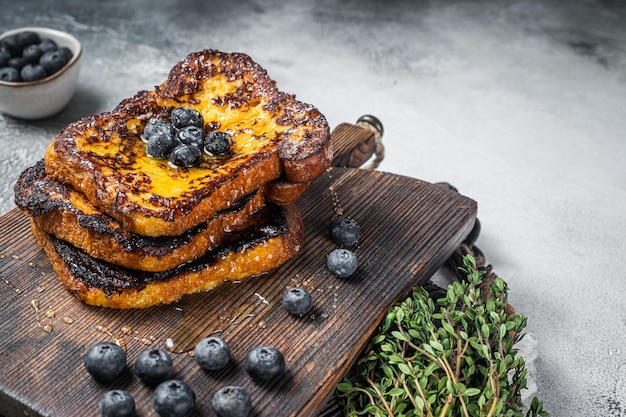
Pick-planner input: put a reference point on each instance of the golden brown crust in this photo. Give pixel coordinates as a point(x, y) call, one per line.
point(125, 291)
point(283, 192)
point(273, 134)
point(60, 210)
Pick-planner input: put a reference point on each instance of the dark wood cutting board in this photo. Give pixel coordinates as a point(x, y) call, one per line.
point(408, 229)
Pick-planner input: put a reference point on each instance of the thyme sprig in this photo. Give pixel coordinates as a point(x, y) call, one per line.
point(454, 356)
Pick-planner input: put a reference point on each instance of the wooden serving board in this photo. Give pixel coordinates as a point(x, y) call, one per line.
point(408, 229)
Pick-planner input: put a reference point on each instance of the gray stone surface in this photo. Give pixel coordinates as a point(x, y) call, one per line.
point(519, 103)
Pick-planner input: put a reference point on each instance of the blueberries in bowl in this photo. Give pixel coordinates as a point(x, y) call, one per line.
point(153, 366)
point(105, 361)
point(263, 363)
point(22, 49)
point(173, 398)
point(9, 74)
point(232, 401)
point(117, 403)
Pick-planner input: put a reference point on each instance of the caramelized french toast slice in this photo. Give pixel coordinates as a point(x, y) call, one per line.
point(275, 231)
point(273, 135)
point(60, 210)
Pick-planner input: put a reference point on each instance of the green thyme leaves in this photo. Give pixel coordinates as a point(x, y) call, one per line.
point(455, 356)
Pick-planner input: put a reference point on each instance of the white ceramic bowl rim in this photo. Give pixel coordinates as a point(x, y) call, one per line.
point(77, 50)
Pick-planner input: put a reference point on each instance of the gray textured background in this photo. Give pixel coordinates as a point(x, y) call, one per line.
point(521, 104)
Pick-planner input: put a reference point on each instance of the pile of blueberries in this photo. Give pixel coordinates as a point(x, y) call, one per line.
point(182, 139)
point(25, 56)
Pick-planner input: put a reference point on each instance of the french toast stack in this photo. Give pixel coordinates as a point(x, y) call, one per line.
point(125, 229)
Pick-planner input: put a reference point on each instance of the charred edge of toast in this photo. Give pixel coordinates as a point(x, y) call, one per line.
point(279, 232)
point(81, 171)
point(302, 160)
point(34, 194)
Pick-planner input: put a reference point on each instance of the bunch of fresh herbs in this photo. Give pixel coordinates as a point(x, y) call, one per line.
point(454, 356)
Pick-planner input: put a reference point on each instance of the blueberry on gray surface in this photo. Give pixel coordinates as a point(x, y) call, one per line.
point(10, 74)
point(217, 143)
point(173, 398)
point(156, 127)
point(297, 301)
point(117, 403)
point(344, 231)
point(105, 361)
point(185, 116)
point(153, 366)
point(185, 156)
point(160, 145)
point(32, 72)
point(212, 353)
point(52, 61)
point(191, 135)
point(264, 363)
point(232, 401)
point(342, 262)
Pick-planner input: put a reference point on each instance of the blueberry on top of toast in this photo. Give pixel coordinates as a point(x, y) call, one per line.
point(273, 136)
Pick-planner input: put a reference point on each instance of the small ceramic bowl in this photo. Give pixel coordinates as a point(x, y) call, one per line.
point(48, 96)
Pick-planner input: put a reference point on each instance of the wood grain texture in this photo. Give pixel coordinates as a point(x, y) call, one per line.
point(408, 229)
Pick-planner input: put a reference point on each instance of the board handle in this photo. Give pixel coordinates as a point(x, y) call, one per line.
point(355, 144)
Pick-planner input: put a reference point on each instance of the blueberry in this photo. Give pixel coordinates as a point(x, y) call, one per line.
point(160, 145)
point(154, 366)
point(67, 53)
point(232, 401)
point(32, 54)
point(185, 156)
point(33, 72)
point(157, 126)
point(342, 262)
point(297, 301)
point(52, 61)
point(10, 74)
point(264, 363)
point(47, 44)
point(17, 62)
point(12, 44)
point(191, 135)
point(173, 398)
point(105, 361)
point(28, 37)
point(217, 143)
point(344, 231)
point(185, 116)
point(212, 353)
point(4, 57)
point(117, 403)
